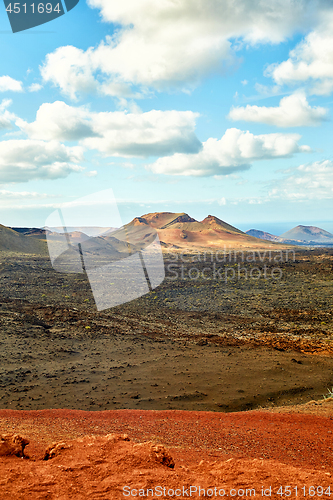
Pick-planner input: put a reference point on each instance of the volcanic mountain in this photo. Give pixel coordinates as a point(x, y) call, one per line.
point(179, 230)
point(262, 235)
point(308, 234)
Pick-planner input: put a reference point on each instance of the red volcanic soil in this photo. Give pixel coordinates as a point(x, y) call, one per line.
point(183, 231)
point(207, 238)
point(91, 457)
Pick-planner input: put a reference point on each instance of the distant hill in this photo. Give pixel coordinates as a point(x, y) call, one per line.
point(14, 241)
point(299, 235)
point(308, 234)
point(36, 232)
point(30, 230)
point(262, 235)
point(90, 231)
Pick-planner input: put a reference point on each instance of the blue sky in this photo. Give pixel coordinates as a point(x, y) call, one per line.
point(176, 106)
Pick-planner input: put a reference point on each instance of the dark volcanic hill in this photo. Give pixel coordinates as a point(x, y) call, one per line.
point(36, 232)
point(14, 241)
point(262, 235)
point(308, 233)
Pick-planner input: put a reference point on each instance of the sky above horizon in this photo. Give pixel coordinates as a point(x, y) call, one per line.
point(199, 106)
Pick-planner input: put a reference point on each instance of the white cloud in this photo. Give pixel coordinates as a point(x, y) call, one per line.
point(293, 111)
point(127, 165)
point(313, 181)
point(234, 152)
point(266, 91)
point(58, 121)
point(9, 84)
point(173, 43)
point(6, 118)
point(155, 133)
point(311, 60)
point(35, 87)
point(71, 69)
point(92, 173)
point(20, 195)
point(24, 160)
point(5, 103)
point(256, 21)
point(116, 133)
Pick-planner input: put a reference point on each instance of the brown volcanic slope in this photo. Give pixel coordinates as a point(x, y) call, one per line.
point(12, 241)
point(179, 230)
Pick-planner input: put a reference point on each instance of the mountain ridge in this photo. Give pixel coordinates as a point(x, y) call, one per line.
point(308, 233)
point(176, 230)
point(299, 235)
point(180, 230)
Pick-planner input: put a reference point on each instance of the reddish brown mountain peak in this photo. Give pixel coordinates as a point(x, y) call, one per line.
point(157, 215)
point(181, 218)
point(163, 219)
point(219, 225)
point(211, 218)
point(184, 218)
point(139, 220)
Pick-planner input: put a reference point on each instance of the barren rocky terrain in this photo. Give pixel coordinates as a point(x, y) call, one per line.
point(189, 344)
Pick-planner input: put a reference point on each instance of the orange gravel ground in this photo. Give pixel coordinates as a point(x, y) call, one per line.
point(252, 449)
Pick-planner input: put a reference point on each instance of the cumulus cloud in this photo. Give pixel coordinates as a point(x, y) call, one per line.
point(306, 182)
point(168, 43)
point(234, 152)
point(6, 117)
point(293, 111)
point(311, 60)
point(116, 133)
point(155, 133)
point(58, 121)
point(35, 87)
point(9, 84)
point(24, 160)
point(71, 69)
